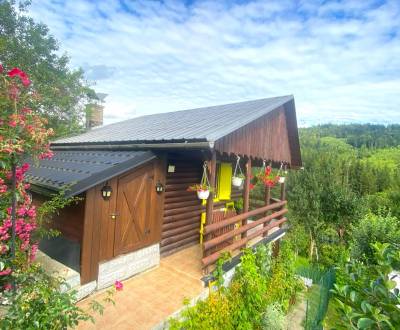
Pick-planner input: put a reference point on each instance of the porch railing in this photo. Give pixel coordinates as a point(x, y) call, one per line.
point(238, 237)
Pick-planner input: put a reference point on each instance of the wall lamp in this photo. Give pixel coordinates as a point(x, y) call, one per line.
point(106, 192)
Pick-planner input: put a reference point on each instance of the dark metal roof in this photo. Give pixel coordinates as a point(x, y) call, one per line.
point(203, 124)
point(82, 170)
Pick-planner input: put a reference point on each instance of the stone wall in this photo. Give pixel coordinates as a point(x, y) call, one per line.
point(127, 265)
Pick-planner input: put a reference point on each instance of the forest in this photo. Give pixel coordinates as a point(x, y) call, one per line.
point(349, 172)
point(345, 215)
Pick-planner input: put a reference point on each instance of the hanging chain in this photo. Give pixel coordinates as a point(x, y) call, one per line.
point(204, 178)
point(238, 166)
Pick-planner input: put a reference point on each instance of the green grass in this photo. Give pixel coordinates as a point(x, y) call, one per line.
point(313, 297)
point(332, 318)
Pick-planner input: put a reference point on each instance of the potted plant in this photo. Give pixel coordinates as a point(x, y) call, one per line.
point(237, 180)
point(268, 177)
point(202, 190)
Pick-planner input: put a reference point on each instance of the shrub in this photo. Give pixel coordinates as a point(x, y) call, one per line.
point(370, 299)
point(274, 318)
point(371, 229)
point(283, 284)
point(38, 303)
point(257, 283)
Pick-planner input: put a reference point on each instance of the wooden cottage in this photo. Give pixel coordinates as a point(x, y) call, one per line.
point(132, 178)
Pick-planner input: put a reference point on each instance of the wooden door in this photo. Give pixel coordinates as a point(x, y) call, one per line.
point(138, 213)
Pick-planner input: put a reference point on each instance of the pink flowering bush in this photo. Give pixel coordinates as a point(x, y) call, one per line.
point(23, 134)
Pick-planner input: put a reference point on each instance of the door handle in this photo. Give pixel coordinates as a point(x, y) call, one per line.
point(114, 216)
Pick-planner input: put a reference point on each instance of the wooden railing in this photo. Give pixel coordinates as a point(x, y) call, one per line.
point(240, 236)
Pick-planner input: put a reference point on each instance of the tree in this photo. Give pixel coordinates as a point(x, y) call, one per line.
point(63, 93)
point(371, 229)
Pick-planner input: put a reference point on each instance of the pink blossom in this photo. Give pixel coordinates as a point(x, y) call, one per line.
point(118, 286)
point(5, 272)
point(1, 68)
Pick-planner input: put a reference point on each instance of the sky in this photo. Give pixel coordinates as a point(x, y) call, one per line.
point(340, 59)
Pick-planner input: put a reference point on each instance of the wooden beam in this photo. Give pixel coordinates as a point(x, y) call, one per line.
point(267, 199)
point(283, 192)
point(87, 274)
point(212, 177)
point(246, 192)
point(210, 201)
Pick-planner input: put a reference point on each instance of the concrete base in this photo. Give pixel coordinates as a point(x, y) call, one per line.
point(119, 268)
point(127, 265)
point(53, 267)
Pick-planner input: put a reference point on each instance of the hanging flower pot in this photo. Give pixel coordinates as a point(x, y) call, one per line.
point(238, 176)
point(203, 194)
point(268, 177)
point(237, 181)
point(203, 189)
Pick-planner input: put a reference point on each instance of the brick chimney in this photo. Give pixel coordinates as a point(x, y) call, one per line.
point(94, 112)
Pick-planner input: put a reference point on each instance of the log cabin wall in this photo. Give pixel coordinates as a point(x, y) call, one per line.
point(182, 209)
point(265, 138)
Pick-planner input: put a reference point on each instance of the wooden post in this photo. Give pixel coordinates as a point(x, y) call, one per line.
point(210, 201)
point(267, 199)
point(246, 192)
point(276, 245)
point(283, 193)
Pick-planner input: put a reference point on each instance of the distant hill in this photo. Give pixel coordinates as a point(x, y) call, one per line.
point(360, 135)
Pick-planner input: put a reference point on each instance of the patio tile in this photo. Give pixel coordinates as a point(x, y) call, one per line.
point(149, 298)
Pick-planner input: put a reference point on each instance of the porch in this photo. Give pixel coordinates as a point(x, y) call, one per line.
point(153, 296)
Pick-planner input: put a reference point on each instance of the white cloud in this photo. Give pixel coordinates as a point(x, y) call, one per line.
point(340, 59)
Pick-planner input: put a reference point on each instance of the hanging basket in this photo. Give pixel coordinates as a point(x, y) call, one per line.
point(203, 194)
point(237, 178)
point(237, 181)
point(203, 189)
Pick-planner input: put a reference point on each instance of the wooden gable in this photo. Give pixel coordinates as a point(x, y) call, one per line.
point(273, 137)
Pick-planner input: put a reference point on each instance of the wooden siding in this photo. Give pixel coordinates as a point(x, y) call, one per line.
point(182, 209)
point(266, 138)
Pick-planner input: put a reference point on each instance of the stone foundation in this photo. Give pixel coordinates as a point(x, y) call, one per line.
point(127, 265)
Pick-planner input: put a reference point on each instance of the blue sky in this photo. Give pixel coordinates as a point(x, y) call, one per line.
point(340, 59)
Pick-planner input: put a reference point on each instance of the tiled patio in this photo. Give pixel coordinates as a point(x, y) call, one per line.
point(149, 298)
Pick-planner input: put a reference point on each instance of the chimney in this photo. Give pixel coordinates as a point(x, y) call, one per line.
point(94, 112)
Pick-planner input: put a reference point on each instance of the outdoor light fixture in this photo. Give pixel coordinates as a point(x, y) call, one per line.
point(106, 192)
point(159, 187)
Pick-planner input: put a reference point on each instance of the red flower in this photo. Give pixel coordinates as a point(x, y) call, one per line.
point(21, 74)
point(251, 186)
point(7, 286)
point(268, 170)
point(1, 68)
point(118, 285)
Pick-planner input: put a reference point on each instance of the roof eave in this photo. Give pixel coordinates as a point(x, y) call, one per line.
point(134, 146)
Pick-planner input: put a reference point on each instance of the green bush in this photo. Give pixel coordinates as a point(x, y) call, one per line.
point(39, 304)
point(258, 284)
point(369, 299)
point(371, 229)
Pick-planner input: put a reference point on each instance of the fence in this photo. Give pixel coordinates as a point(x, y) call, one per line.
point(319, 296)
